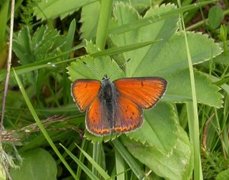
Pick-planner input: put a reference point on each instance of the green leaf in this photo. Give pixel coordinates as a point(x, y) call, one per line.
point(166, 58)
point(37, 164)
point(42, 44)
point(89, 67)
point(174, 164)
point(207, 92)
point(215, 16)
point(157, 17)
point(94, 68)
point(173, 57)
point(161, 30)
point(54, 8)
point(89, 24)
point(160, 123)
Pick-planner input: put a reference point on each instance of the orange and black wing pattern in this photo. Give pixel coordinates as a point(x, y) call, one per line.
point(128, 115)
point(144, 91)
point(96, 118)
point(84, 91)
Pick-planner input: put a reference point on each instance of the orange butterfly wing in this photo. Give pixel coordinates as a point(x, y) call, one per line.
point(84, 92)
point(96, 119)
point(128, 115)
point(133, 94)
point(145, 92)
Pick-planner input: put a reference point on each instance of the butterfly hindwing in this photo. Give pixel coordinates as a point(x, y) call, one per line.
point(84, 92)
point(145, 92)
point(96, 118)
point(128, 115)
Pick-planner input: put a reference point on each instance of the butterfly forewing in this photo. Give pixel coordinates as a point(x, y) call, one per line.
point(145, 92)
point(96, 118)
point(128, 115)
point(84, 92)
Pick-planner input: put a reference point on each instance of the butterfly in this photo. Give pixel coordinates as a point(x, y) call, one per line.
point(116, 107)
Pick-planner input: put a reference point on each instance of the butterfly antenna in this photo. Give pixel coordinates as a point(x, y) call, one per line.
point(123, 66)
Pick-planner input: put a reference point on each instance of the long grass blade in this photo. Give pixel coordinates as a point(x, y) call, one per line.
point(129, 159)
point(83, 167)
point(95, 165)
point(104, 18)
point(40, 125)
point(192, 109)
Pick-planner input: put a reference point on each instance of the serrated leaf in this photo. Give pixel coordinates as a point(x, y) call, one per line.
point(168, 57)
point(179, 88)
point(161, 30)
point(37, 164)
point(89, 24)
point(173, 57)
point(22, 46)
point(54, 8)
point(94, 68)
point(159, 124)
point(174, 164)
point(43, 43)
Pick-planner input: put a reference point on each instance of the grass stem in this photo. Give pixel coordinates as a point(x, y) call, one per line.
point(103, 24)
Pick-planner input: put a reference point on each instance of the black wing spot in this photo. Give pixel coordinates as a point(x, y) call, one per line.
point(142, 83)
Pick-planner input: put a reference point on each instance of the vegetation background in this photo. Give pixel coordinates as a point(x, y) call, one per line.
point(55, 42)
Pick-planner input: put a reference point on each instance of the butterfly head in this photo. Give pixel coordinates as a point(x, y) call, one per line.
point(105, 77)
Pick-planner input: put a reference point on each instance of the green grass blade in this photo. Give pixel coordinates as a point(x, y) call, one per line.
point(129, 159)
point(94, 164)
point(104, 17)
point(120, 166)
point(83, 167)
point(192, 109)
point(45, 63)
point(97, 155)
point(81, 158)
point(40, 125)
point(3, 20)
point(122, 49)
